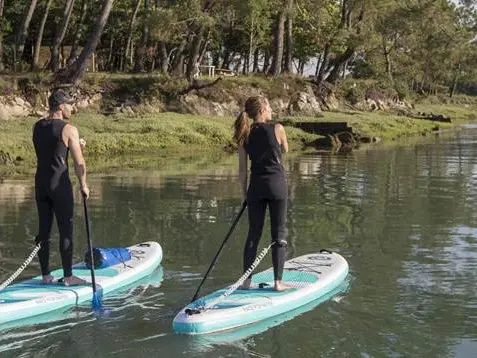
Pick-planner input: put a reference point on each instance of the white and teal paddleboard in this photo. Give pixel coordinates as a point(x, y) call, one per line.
point(31, 298)
point(311, 277)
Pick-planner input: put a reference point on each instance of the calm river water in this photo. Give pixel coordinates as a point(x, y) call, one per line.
point(404, 217)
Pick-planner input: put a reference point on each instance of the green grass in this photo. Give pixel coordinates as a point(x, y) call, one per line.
point(171, 139)
point(459, 112)
point(119, 141)
point(379, 124)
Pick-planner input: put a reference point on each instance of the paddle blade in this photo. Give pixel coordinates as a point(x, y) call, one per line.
point(96, 303)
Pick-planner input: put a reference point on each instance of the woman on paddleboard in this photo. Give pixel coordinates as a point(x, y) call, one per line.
point(262, 142)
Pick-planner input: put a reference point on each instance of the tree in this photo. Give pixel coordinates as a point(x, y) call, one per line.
point(73, 72)
point(141, 48)
point(253, 30)
point(128, 59)
point(39, 37)
point(22, 33)
point(289, 43)
point(60, 35)
point(2, 21)
point(198, 30)
point(278, 40)
point(352, 16)
point(78, 33)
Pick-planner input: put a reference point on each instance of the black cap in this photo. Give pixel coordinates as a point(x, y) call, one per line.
point(58, 97)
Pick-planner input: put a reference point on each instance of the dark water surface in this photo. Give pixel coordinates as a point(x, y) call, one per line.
point(405, 218)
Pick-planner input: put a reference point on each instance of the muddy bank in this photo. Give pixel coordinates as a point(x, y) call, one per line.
point(137, 95)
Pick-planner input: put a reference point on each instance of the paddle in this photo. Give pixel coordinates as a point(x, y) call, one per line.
point(244, 205)
point(96, 303)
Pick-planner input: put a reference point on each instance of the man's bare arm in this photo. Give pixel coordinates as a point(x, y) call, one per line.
point(71, 137)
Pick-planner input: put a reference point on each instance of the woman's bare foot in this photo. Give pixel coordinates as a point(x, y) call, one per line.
point(47, 279)
point(246, 284)
point(280, 286)
point(73, 280)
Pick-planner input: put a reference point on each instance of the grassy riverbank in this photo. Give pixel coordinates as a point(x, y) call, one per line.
point(120, 141)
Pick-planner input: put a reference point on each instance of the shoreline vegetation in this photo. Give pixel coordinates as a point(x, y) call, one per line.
point(165, 139)
point(167, 78)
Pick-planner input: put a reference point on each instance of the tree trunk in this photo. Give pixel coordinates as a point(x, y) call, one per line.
point(256, 58)
point(250, 48)
point(198, 31)
point(78, 33)
point(75, 71)
point(141, 49)
point(278, 38)
point(204, 48)
point(323, 64)
point(344, 69)
point(216, 60)
point(109, 63)
point(387, 58)
point(2, 67)
point(164, 57)
point(60, 35)
point(338, 63)
point(194, 52)
point(226, 60)
point(454, 82)
point(318, 65)
point(178, 61)
point(132, 22)
point(237, 65)
point(301, 67)
point(63, 56)
point(289, 49)
point(39, 37)
point(22, 34)
point(266, 61)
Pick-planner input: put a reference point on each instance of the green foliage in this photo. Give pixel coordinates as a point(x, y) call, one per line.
point(427, 50)
point(415, 45)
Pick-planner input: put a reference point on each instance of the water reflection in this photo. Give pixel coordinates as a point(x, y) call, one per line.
point(405, 218)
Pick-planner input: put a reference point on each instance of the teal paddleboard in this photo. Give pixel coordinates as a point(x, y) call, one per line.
point(310, 277)
point(31, 298)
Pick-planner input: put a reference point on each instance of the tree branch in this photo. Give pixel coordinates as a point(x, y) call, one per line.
point(197, 85)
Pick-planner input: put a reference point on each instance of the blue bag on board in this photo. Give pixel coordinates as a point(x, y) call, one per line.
point(106, 257)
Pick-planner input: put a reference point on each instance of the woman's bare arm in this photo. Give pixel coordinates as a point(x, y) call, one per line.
point(281, 137)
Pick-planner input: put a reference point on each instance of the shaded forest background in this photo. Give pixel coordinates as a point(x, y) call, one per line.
point(419, 46)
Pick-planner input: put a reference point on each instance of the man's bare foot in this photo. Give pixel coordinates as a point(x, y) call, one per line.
point(246, 284)
point(73, 280)
point(280, 286)
point(47, 279)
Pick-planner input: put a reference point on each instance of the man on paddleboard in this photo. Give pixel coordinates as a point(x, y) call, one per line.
point(53, 138)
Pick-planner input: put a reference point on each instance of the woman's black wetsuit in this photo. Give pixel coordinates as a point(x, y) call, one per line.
point(53, 192)
point(267, 187)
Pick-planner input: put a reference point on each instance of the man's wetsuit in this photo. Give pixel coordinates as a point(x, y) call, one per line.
point(53, 192)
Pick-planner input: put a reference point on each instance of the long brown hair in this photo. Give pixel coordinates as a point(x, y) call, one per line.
point(253, 106)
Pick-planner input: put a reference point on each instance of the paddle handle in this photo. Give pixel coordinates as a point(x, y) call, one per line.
point(244, 205)
point(90, 246)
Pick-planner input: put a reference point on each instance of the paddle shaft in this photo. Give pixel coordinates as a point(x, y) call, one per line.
point(90, 246)
point(244, 205)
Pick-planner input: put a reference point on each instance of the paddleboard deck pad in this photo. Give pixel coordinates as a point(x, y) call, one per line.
point(31, 298)
point(310, 277)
